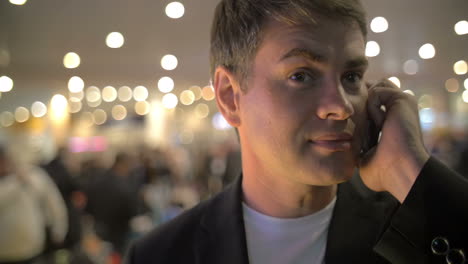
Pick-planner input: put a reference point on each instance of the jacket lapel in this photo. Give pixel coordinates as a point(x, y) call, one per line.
point(358, 219)
point(222, 233)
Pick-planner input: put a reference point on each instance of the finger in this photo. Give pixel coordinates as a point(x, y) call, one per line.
point(388, 83)
point(374, 107)
point(386, 96)
point(370, 84)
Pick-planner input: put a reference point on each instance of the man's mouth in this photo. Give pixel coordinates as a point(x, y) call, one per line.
point(333, 142)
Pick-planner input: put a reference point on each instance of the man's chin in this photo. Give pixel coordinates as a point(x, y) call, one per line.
point(329, 176)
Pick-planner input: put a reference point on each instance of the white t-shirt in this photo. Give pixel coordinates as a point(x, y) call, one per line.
point(287, 240)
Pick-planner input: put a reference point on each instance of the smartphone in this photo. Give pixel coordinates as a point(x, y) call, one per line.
point(372, 137)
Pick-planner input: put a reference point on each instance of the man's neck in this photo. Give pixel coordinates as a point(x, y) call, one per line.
point(283, 198)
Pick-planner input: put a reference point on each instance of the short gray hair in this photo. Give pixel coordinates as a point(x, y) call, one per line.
point(237, 26)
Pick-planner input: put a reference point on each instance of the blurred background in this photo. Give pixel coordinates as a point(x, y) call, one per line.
point(110, 103)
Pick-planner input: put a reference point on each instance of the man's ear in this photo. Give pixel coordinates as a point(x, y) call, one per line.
point(227, 91)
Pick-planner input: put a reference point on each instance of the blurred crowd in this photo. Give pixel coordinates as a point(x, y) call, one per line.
point(450, 147)
point(77, 208)
point(82, 210)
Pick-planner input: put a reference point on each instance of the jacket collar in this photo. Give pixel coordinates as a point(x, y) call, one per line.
point(224, 239)
point(354, 228)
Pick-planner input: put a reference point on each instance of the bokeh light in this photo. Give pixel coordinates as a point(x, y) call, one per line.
point(395, 80)
point(125, 93)
point(99, 116)
point(74, 106)
point(75, 84)
point(197, 91)
point(452, 85)
point(427, 51)
point(6, 84)
point(38, 109)
point(58, 102)
point(140, 93)
point(115, 40)
point(187, 97)
point(169, 62)
point(372, 49)
point(109, 94)
point(465, 83)
point(165, 84)
point(460, 67)
point(142, 108)
point(21, 114)
point(169, 101)
point(465, 96)
point(18, 2)
point(93, 94)
point(175, 10)
point(202, 110)
point(71, 60)
point(119, 112)
point(461, 27)
point(208, 93)
point(7, 119)
point(411, 67)
point(379, 25)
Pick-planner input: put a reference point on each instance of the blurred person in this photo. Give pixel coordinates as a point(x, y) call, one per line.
point(32, 212)
point(158, 190)
point(445, 148)
point(112, 202)
point(166, 194)
point(71, 194)
point(90, 170)
point(289, 76)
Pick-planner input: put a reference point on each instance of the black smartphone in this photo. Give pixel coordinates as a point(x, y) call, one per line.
point(371, 137)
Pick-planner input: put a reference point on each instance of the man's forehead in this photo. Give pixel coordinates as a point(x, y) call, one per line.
point(313, 42)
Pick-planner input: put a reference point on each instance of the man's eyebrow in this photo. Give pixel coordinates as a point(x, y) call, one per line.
point(359, 62)
point(306, 53)
point(316, 57)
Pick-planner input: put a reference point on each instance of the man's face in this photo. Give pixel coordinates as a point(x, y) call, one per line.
point(303, 114)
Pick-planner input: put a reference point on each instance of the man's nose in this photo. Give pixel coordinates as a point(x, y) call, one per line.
point(334, 103)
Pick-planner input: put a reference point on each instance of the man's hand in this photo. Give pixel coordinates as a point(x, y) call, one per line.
point(394, 164)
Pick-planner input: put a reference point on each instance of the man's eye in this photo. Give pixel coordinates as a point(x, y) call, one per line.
point(353, 77)
point(301, 77)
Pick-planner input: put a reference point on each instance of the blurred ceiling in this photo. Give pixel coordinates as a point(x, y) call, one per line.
point(35, 37)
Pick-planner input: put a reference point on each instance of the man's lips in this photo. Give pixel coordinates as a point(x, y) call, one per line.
point(333, 142)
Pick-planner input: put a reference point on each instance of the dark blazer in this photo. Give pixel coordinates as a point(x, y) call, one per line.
point(366, 227)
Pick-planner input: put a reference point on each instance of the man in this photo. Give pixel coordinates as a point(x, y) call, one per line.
point(69, 189)
point(113, 202)
point(288, 76)
point(31, 211)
